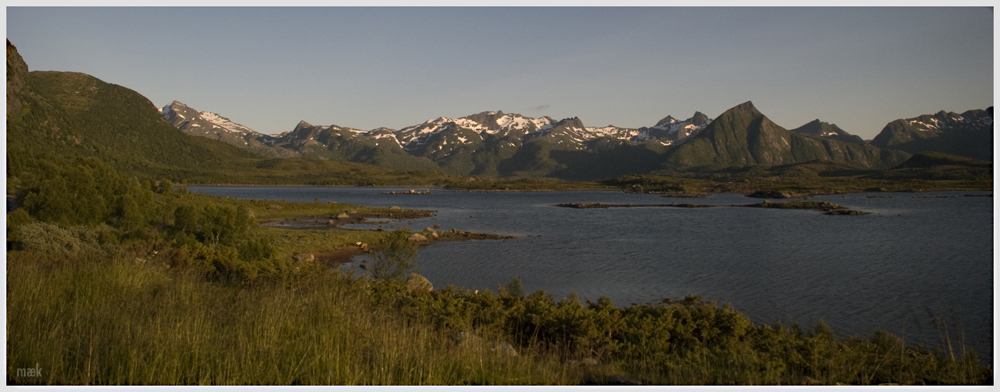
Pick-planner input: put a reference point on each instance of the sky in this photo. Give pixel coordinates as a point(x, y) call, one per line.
point(270, 67)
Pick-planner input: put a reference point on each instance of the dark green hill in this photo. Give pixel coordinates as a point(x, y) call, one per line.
point(932, 158)
point(932, 165)
point(969, 134)
point(65, 115)
point(744, 136)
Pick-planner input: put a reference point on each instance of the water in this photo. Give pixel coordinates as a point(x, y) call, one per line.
point(919, 257)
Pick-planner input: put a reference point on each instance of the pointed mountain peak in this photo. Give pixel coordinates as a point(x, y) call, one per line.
point(699, 119)
point(746, 107)
point(303, 124)
point(666, 120)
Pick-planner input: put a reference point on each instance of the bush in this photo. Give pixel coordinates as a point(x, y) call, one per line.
point(51, 238)
point(393, 258)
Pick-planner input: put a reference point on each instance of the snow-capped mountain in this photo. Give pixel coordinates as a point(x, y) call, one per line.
point(968, 134)
point(670, 130)
point(495, 143)
point(436, 138)
point(183, 116)
point(214, 126)
point(567, 132)
point(944, 121)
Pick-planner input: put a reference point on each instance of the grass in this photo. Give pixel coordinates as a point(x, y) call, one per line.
point(111, 322)
point(126, 318)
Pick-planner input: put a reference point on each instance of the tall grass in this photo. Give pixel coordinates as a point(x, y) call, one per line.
point(88, 320)
point(126, 318)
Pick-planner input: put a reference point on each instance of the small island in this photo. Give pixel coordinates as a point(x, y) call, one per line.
point(826, 207)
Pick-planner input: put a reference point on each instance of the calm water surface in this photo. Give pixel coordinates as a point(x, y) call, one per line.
point(919, 257)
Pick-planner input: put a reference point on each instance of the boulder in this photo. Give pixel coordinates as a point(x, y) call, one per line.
point(352, 212)
point(416, 238)
point(329, 222)
point(437, 226)
point(394, 208)
point(418, 283)
point(428, 229)
point(343, 215)
point(434, 235)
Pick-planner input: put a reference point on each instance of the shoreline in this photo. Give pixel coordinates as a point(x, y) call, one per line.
point(335, 221)
point(345, 253)
point(723, 188)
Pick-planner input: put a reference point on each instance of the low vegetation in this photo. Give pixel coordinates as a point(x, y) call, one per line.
point(116, 281)
point(128, 317)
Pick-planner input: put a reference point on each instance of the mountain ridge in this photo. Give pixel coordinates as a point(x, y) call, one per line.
point(473, 144)
point(969, 134)
point(496, 143)
point(743, 136)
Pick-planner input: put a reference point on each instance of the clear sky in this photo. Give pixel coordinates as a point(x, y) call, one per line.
point(268, 68)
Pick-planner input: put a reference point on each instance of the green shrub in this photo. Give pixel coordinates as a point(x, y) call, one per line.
point(393, 258)
point(52, 238)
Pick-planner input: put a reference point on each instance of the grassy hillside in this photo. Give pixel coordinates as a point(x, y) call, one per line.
point(68, 115)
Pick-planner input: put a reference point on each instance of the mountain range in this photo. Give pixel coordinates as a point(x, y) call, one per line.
point(56, 116)
point(473, 144)
point(495, 143)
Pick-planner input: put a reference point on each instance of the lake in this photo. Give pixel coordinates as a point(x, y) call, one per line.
point(918, 258)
